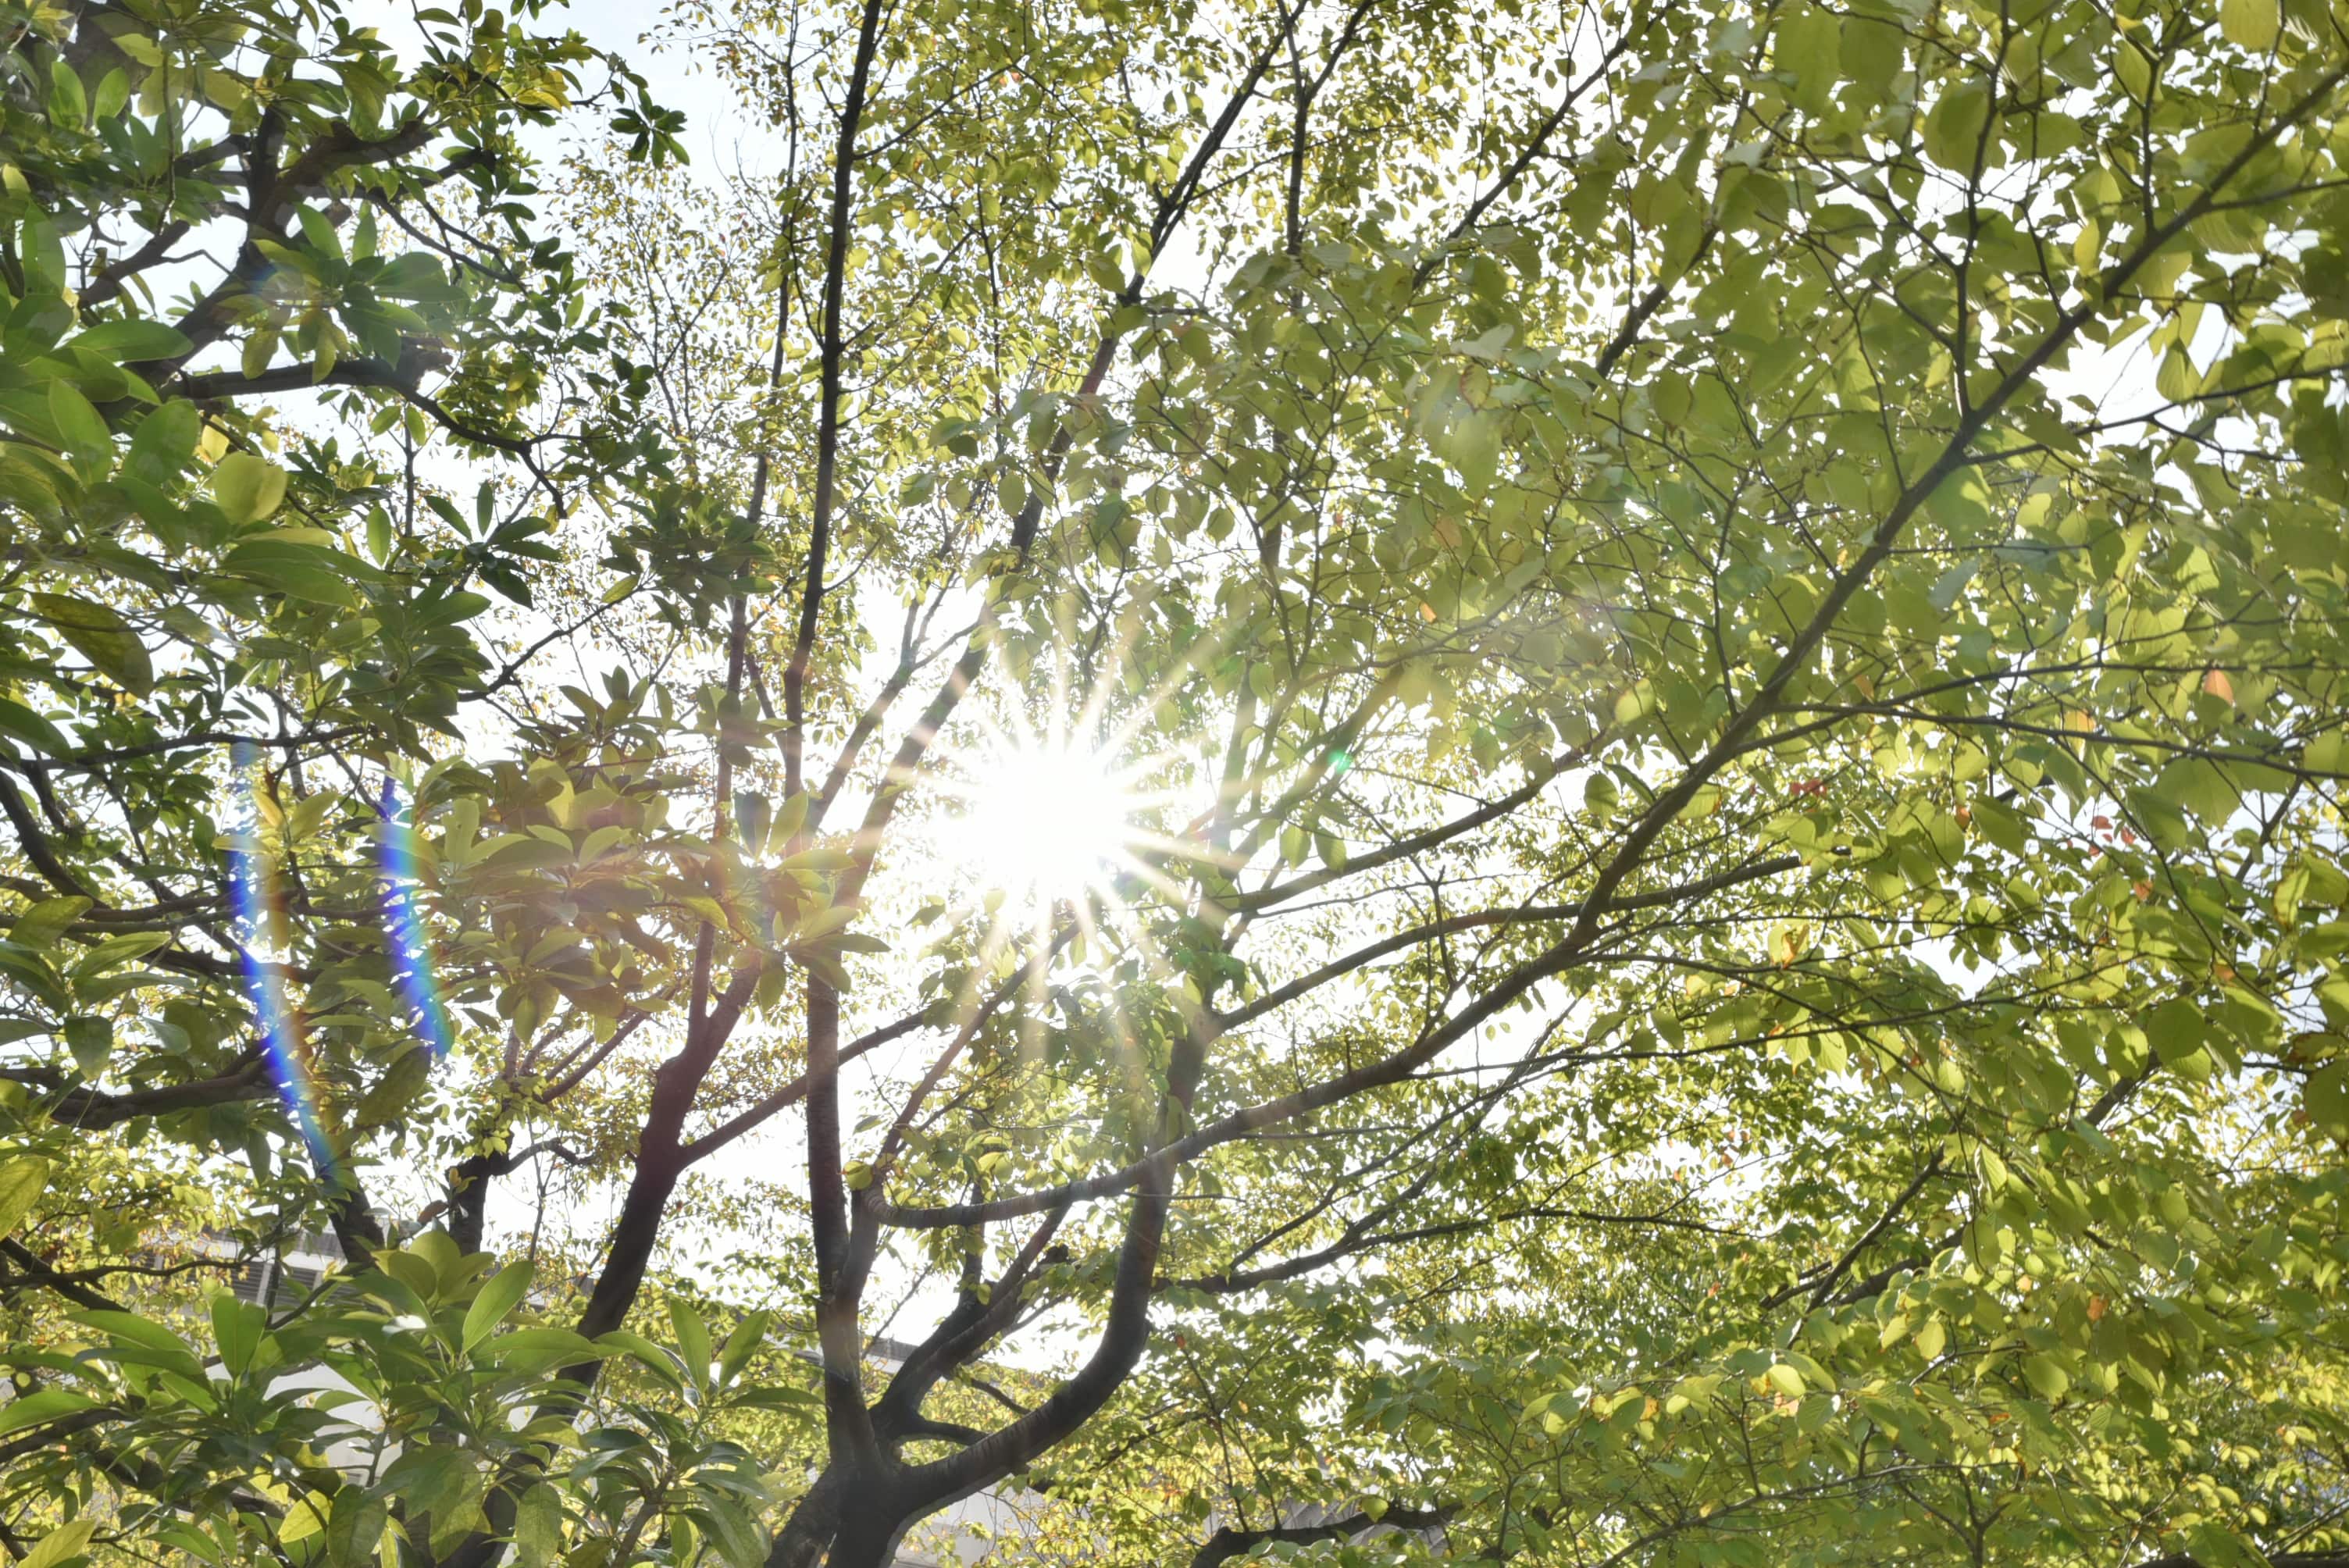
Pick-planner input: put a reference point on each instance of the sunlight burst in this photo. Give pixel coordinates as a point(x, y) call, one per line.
point(1045, 821)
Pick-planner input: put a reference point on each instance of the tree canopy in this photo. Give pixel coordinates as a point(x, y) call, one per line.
point(1367, 781)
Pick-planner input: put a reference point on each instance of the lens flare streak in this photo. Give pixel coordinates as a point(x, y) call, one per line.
point(260, 918)
point(411, 956)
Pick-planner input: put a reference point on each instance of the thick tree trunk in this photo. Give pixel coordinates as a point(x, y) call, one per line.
point(850, 1518)
point(801, 1542)
point(468, 1199)
point(868, 1538)
point(632, 1240)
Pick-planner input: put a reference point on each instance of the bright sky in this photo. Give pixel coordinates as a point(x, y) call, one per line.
point(717, 138)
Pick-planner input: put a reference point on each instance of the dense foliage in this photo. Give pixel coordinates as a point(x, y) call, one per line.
point(1718, 635)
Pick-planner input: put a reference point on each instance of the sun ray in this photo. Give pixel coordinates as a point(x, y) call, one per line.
point(1059, 817)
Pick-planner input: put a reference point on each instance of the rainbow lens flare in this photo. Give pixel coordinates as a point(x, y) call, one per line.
point(262, 932)
point(411, 956)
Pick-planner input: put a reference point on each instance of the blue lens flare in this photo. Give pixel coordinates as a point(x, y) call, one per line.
point(261, 930)
point(411, 956)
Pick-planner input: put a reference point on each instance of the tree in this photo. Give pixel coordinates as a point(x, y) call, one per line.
point(1724, 941)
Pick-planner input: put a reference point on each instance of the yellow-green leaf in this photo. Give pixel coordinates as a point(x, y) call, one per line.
point(42, 924)
point(91, 1040)
point(2177, 379)
point(102, 637)
point(22, 1181)
point(498, 1296)
point(305, 1519)
point(62, 1544)
point(538, 1527)
point(2253, 24)
point(25, 725)
point(80, 427)
point(2046, 1375)
point(248, 487)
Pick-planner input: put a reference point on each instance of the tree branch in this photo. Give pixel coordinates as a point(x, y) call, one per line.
point(1231, 1542)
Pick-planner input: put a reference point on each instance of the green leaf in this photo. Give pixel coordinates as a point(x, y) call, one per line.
point(692, 1340)
point(387, 1099)
point(2252, 24)
point(1809, 45)
point(305, 1516)
point(2325, 1097)
point(411, 1271)
point(34, 974)
point(2177, 379)
point(302, 571)
point(2134, 68)
point(113, 97)
point(22, 723)
point(645, 1353)
point(136, 1330)
point(789, 818)
point(80, 427)
point(1953, 132)
point(40, 1407)
point(135, 340)
point(538, 1527)
point(1871, 51)
point(1473, 446)
point(743, 1344)
point(1786, 1380)
point(66, 1542)
point(2202, 787)
point(102, 637)
point(442, 1483)
point(165, 442)
point(2046, 1375)
point(529, 1352)
point(498, 1294)
point(91, 1040)
point(237, 1328)
point(248, 487)
point(2178, 1034)
point(68, 104)
point(355, 1526)
point(22, 1181)
point(117, 951)
point(318, 233)
point(261, 348)
point(41, 925)
point(43, 249)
